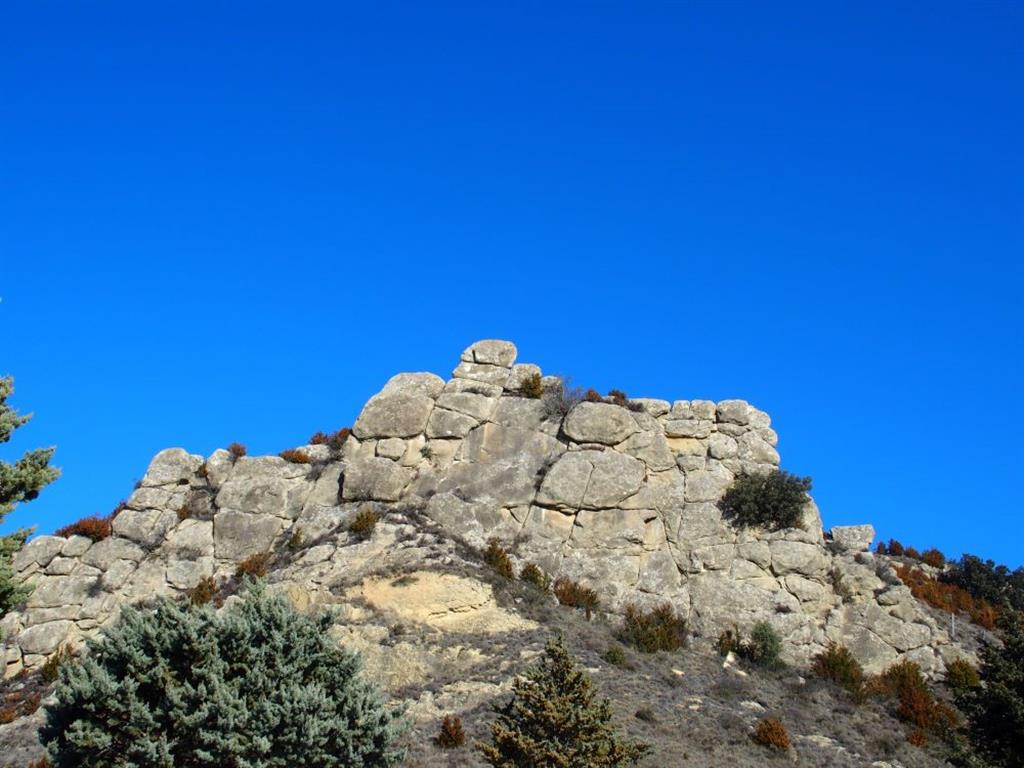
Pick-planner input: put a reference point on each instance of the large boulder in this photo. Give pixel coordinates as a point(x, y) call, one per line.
point(403, 414)
point(852, 538)
point(599, 423)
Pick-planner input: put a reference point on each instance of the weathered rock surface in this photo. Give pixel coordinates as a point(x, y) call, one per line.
point(623, 499)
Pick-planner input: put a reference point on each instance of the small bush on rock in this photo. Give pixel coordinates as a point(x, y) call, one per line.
point(532, 387)
point(659, 629)
point(296, 456)
point(257, 685)
point(535, 577)
point(94, 527)
point(772, 733)
point(837, 665)
point(237, 450)
point(764, 645)
point(554, 718)
point(51, 667)
point(452, 735)
point(728, 642)
point(593, 396)
point(496, 557)
point(254, 566)
point(364, 523)
point(203, 592)
point(773, 501)
point(895, 548)
point(575, 595)
point(559, 399)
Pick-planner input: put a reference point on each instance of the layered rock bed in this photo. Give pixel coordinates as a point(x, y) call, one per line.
point(621, 495)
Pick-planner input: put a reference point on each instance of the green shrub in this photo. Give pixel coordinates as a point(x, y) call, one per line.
point(615, 655)
point(659, 629)
point(575, 595)
point(962, 676)
point(257, 685)
point(554, 718)
point(764, 645)
point(837, 665)
point(496, 557)
point(535, 577)
point(995, 709)
point(773, 501)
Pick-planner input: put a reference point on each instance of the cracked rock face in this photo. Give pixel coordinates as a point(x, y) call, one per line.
point(621, 498)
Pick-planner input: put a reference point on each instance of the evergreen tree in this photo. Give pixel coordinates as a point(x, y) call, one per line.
point(555, 720)
point(995, 709)
point(255, 686)
point(20, 481)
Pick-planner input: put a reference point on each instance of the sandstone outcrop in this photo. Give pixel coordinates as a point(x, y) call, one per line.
point(619, 496)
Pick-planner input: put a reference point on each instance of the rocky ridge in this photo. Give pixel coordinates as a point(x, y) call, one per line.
point(621, 498)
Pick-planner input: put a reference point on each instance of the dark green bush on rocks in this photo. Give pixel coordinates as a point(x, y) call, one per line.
point(257, 685)
point(773, 501)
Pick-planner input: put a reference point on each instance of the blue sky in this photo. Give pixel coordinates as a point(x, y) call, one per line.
point(222, 224)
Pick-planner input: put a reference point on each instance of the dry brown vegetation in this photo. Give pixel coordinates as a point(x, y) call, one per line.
point(947, 597)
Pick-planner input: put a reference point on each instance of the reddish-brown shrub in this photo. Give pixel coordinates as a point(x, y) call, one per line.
point(918, 738)
point(451, 736)
point(254, 565)
point(772, 733)
point(237, 450)
point(934, 558)
point(204, 591)
point(296, 456)
point(336, 441)
point(904, 682)
point(532, 387)
point(618, 397)
point(575, 595)
point(895, 548)
point(880, 549)
point(318, 438)
point(8, 714)
point(593, 396)
point(94, 527)
point(496, 557)
point(42, 762)
point(533, 575)
point(912, 553)
point(947, 597)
